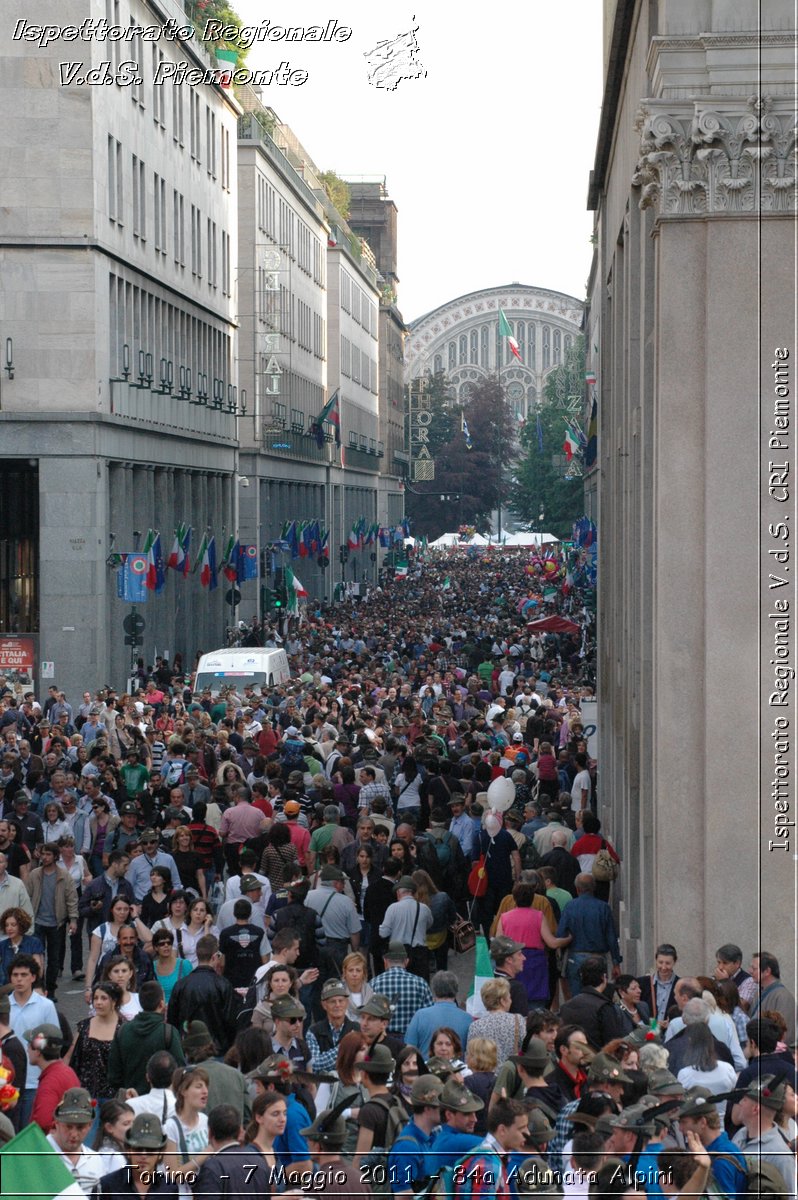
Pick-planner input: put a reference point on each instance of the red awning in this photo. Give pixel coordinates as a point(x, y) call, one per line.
point(553, 625)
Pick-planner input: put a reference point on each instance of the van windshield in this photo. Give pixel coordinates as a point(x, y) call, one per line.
point(216, 680)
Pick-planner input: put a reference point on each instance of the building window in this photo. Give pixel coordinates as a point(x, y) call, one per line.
point(474, 339)
point(225, 153)
point(179, 228)
point(557, 347)
point(437, 364)
point(546, 347)
point(520, 333)
point(567, 342)
point(158, 93)
point(177, 113)
point(136, 94)
point(194, 127)
point(532, 348)
point(211, 260)
point(210, 139)
point(452, 356)
point(115, 188)
point(196, 242)
point(159, 232)
point(463, 346)
point(139, 200)
point(346, 357)
point(484, 344)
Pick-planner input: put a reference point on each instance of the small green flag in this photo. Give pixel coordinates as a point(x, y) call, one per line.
point(31, 1170)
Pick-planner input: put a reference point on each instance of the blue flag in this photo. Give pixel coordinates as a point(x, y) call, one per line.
point(131, 579)
point(247, 563)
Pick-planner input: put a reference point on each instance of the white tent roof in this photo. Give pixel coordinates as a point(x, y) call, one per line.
point(453, 539)
point(528, 539)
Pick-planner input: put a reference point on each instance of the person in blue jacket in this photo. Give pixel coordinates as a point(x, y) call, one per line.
point(456, 1137)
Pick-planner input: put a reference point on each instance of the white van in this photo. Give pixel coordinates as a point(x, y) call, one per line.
point(238, 667)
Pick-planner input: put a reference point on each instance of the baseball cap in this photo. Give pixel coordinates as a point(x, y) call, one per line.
point(292, 731)
point(333, 988)
point(291, 808)
point(518, 737)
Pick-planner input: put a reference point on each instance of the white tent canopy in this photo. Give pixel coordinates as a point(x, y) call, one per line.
point(525, 538)
point(453, 539)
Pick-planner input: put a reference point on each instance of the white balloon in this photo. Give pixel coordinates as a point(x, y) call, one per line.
point(501, 794)
point(492, 824)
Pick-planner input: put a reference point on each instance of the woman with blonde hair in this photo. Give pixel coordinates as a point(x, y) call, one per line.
point(501, 1026)
point(354, 972)
point(481, 1060)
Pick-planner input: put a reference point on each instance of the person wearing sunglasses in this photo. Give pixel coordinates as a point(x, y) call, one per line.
point(138, 873)
point(288, 1015)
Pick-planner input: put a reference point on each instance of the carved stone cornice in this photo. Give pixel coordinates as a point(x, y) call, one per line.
point(710, 156)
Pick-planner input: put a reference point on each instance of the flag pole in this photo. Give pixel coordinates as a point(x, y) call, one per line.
point(499, 430)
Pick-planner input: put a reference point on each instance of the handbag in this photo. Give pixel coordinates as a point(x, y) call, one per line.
point(464, 935)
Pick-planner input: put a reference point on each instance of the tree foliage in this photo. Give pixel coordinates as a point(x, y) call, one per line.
point(202, 11)
point(471, 475)
point(338, 191)
point(540, 483)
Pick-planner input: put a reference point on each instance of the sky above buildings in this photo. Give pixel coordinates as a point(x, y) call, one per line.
point(486, 156)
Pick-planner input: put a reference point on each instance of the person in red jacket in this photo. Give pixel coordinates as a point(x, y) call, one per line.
point(587, 847)
point(45, 1046)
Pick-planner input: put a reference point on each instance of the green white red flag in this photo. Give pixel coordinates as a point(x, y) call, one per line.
point(506, 331)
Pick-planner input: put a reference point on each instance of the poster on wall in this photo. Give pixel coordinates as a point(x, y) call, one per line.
point(18, 659)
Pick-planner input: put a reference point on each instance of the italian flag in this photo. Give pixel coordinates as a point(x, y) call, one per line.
point(483, 971)
point(294, 590)
point(506, 331)
point(570, 445)
point(30, 1167)
point(590, 378)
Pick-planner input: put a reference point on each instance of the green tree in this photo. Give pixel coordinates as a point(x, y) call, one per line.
point(338, 191)
point(473, 476)
point(202, 11)
point(540, 485)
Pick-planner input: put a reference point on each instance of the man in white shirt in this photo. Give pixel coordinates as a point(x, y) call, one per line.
point(580, 788)
point(13, 893)
point(72, 1121)
point(160, 1099)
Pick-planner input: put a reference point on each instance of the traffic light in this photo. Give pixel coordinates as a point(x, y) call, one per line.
point(278, 593)
point(267, 600)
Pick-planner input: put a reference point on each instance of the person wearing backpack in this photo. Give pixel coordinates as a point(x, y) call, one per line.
point(380, 1119)
point(449, 871)
point(596, 856)
point(760, 1138)
point(699, 1115)
point(408, 1160)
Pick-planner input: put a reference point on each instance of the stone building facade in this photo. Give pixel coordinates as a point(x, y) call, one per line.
point(461, 339)
point(692, 298)
point(117, 270)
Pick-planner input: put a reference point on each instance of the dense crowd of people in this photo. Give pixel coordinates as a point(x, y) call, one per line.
point(262, 890)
